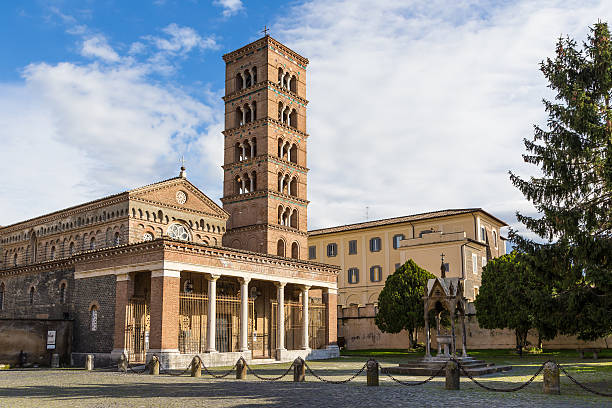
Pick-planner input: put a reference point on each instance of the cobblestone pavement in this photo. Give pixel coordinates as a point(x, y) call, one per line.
point(77, 388)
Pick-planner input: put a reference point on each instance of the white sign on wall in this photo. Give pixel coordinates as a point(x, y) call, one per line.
point(50, 339)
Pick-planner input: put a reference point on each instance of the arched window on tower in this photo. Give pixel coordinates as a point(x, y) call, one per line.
point(294, 218)
point(238, 185)
point(239, 117)
point(32, 290)
point(52, 253)
point(249, 79)
point(280, 147)
point(295, 250)
point(71, 249)
point(239, 81)
point(117, 239)
point(254, 75)
point(280, 76)
point(1, 295)
point(292, 119)
point(280, 248)
point(253, 181)
point(15, 259)
point(92, 243)
point(293, 84)
point(293, 187)
point(293, 153)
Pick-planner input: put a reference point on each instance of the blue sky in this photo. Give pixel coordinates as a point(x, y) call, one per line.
point(414, 105)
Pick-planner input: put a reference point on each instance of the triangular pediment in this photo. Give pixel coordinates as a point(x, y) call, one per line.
point(178, 193)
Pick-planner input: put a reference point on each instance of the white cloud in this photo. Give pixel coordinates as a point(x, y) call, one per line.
point(97, 47)
point(417, 106)
point(181, 40)
point(73, 132)
point(230, 7)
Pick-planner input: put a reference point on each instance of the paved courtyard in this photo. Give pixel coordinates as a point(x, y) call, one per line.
point(78, 388)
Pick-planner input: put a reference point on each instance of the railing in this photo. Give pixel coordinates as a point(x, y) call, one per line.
point(294, 325)
point(137, 321)
point(193, 326)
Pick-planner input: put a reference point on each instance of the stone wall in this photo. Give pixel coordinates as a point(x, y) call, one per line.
point(358, 328)
point(99, 292)
point(30, 335)
point(46, 302)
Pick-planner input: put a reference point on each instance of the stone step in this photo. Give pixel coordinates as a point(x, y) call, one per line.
point(427, 371)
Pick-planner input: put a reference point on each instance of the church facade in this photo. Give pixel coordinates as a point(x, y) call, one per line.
point(164, 270)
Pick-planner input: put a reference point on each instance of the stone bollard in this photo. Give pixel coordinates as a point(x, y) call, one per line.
point(452, 376)
point(551, 383)
point(154, 365)
point(55, 361)
point(89, 362)
point(122, 364)
point(372, 372)
point(299, 370)
point(196, 367)
point(241, 369)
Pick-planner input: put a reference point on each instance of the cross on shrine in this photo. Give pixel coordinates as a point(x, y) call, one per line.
point(182, 161)
point(265, 30)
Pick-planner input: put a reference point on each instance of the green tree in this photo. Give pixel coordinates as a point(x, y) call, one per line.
point(573, 192)
point(513, 296)
point(400, 303)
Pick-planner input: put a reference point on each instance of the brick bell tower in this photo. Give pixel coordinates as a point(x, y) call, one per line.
point(264, 184)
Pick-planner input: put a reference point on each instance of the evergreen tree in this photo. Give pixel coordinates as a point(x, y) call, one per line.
point(400, 303)
point(574, 192)
point(514, 296)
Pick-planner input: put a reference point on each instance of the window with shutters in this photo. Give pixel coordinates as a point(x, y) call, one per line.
point(375, 273)
point(353, 275)
point(396, 240)
point(332, 250)
point(375, 244)
point(312, 252)
point(352, 247)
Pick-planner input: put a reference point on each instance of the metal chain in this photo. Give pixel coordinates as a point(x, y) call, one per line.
point(267, 378)
point(218, 376)
point(167, 370)
point(584, 387)
point(410, 384)
point(335, 382)
point(486, 387)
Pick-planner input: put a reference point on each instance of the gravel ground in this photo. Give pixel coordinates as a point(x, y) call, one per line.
point(78, 388)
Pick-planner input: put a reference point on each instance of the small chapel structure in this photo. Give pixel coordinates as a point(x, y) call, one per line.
point(162, 269)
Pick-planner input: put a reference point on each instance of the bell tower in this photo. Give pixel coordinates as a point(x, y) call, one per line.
point(264, 184)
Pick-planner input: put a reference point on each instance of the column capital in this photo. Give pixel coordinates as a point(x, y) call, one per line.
point(212, 277)
point(280, 284)
point(305, 287)
point(331, 291)
point(245, 281)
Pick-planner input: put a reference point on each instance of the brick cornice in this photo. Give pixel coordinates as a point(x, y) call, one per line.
point(266, 41)
point(261, 158)
point(255, 227)
point(263, 122)
point(263, 194)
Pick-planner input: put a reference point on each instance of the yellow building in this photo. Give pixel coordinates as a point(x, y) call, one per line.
point(370, 251)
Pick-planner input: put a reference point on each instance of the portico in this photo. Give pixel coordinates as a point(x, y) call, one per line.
point(263, 306)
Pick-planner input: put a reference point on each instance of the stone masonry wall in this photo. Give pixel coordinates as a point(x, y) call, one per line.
point(98, 291)
point(46, 301)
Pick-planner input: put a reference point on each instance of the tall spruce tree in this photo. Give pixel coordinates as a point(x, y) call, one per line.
point(574, 193)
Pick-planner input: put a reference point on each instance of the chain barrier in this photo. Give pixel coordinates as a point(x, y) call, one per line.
point(207, 371)
point(486, 387)
point(266, 378)
point(584, 387)
point(410, 384)
point(332, 381)
point(167, 370)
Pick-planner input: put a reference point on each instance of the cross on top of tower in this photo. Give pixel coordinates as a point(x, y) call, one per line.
point(265, 31)
point(183, 173)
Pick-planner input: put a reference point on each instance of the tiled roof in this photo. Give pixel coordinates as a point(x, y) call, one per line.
point(398, 220)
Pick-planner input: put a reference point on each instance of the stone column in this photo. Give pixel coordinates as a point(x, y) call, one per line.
point(280, 323)
point(243, 80)
point(427, 340)
point(252, 149)
point(252, 184)
point(252, 111)
point(244, 314)
point(212, 313)
point(438, 332)
point(243, 115)
point(464, 337)
point(253, 75)
point(123, 292)
point(243, 185)
point(163, 338)
point(243, 157)
point(330, 298)
point(305, 320)
point(453, 342)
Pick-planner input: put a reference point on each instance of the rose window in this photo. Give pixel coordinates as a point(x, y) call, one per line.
point(181, 197)
point(147, 237)
point(178, 231)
